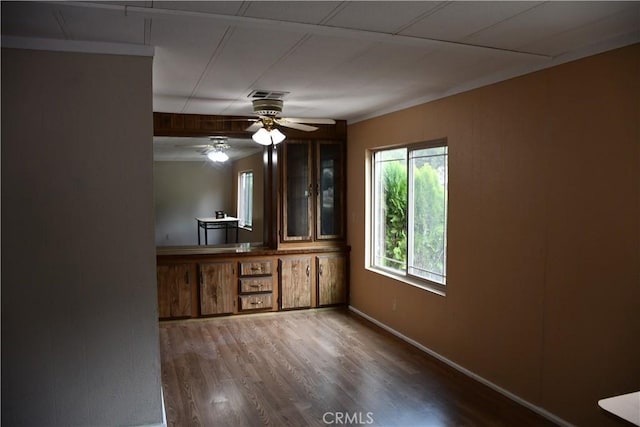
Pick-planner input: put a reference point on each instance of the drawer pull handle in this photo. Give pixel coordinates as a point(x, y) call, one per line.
point(256, 302)
point(255, 286)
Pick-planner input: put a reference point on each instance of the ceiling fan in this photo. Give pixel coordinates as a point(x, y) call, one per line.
point(215, 150)
point(266, 125)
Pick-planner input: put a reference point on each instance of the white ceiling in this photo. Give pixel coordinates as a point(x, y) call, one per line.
point(342, 60)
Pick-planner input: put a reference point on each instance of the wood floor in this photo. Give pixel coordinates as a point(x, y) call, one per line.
point(316, 368)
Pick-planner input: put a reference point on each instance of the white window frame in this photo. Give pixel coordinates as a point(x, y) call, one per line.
point(245, 219)
point(399, 274)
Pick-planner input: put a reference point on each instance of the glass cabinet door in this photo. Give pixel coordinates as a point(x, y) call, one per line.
point(297, 212)
point(330, 188)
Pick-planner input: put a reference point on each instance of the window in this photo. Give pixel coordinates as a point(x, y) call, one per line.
point(245, 199)
point(409, 213)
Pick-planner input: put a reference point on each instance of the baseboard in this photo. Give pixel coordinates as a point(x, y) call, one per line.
point(543, 412)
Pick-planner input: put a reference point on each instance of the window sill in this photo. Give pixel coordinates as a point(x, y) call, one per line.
point(244, 227)
point(426, 285)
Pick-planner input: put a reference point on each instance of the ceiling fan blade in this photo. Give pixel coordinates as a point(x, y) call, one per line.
point(293, 125)
point(192, 145)
point(255, 126)
point(312, 121)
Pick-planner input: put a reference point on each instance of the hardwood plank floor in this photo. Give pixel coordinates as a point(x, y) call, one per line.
point(316, 368)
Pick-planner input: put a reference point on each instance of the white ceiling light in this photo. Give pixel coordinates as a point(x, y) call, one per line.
point(217, 156)
point(217, 152)
point(265, 136)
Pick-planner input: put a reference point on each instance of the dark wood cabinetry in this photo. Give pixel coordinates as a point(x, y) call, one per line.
point(312, 182)
point(303, 260)
point(175, 290)
point(210, 282)
point(255, 285)
point(295, 282)
point(331, 273)
point(217, 282)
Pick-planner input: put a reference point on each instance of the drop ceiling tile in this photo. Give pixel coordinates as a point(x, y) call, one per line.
point(102, 25)
point(218, 7)
point(382, 16)
point(310, 12)
point(240, 63)
point(543, 21)
point(24, 19)
point(378, 63)
point(183, 50)
point(624, 22)
point(457, 20)
point(309, 62)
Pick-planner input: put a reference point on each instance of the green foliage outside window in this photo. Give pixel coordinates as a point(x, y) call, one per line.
point(428, 216)
point(429, 219)
point(395, 200)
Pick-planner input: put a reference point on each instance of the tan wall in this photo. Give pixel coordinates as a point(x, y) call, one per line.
point(80, 341)
point(543, 291)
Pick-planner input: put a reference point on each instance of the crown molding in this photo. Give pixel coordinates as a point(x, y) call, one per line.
point(79, 46)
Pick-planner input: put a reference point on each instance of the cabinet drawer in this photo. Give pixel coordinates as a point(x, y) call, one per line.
point(256, 302)
point(255, 268)
point(256, 284)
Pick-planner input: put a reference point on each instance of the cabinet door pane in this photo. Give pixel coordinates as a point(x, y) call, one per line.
point(297, 197)
point(330, 183)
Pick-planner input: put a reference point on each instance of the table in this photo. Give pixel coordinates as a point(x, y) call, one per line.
point(626, 406)
point(217, 223)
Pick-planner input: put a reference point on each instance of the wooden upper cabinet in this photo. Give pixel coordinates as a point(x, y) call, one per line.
point(295, 282)
point(297, 203)
point(332, 279)
point(313, 185)
point(175, 285)
point(217, 288)
point(330, 188)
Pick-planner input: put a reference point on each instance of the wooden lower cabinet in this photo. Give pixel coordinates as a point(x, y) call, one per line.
point(331, 271)
point(295, 282)
point(217, 288)
point(195, 285)
point(175, 290)
point(256, 302)
point(255, 285)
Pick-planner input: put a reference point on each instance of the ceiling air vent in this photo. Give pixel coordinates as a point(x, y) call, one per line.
point(267, 94)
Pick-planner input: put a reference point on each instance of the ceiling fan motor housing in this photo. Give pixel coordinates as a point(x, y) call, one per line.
point(267, 107)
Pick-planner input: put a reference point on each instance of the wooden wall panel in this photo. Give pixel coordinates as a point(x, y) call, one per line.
point(544, 233)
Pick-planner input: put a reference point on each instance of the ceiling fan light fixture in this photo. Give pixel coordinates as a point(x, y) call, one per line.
point(267, 107)
point(277, 136)
point(262, 137)
point(268, 137)
point(217, 156)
